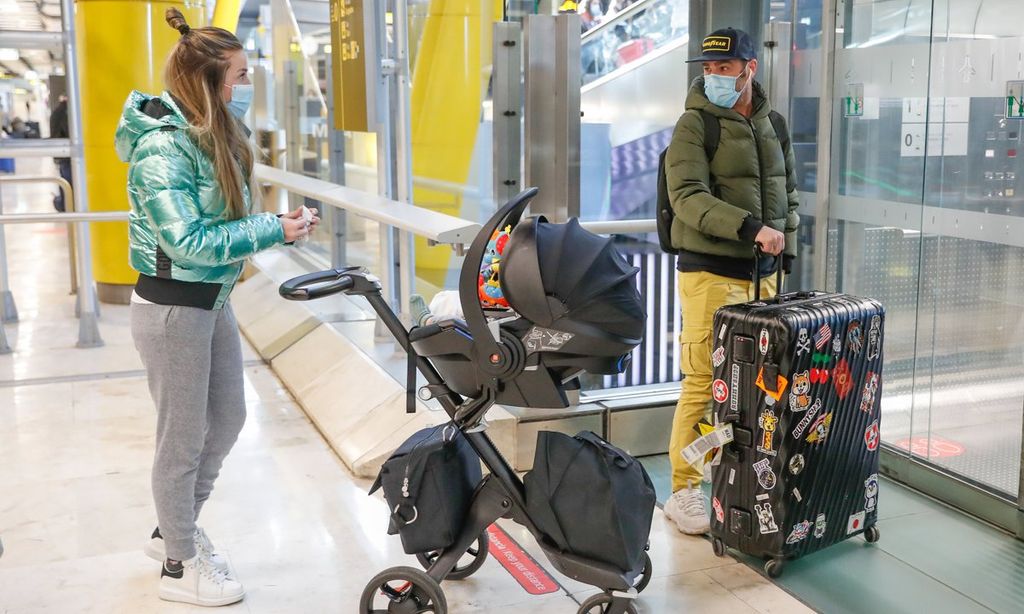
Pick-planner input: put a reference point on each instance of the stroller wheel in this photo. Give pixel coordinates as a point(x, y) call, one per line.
point(402, 590)
point(467, 565)
point(645, 577)
point(602, 603)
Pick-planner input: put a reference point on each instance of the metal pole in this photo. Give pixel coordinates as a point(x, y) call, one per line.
point(88, 325)
point(385, 162)
point(824, 162)
point(400, 116)
point(293, 155)
point(508, 110)
point(8, 310)
point(336, 160)
point(552, 114)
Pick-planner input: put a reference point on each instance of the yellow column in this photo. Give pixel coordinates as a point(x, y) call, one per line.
point(122, 45)
point(225, 14)
point(449, 82)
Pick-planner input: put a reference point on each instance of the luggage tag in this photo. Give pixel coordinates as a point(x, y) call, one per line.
point(709, 445)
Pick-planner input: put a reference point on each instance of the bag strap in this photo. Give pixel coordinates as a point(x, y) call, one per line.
point(712, 134)
point(779, 124)
point(618, 457)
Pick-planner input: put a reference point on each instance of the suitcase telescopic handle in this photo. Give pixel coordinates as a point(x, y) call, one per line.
point(758, 253)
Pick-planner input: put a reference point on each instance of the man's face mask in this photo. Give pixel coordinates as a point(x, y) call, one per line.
point(722, 91)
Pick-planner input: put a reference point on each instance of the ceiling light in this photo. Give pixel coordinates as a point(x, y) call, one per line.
point(31, 74)
point(309, 46)
point(8, 55)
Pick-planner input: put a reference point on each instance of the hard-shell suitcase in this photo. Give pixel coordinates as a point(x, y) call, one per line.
point(799, 377)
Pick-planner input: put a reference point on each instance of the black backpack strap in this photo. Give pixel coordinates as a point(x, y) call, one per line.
point(779, 124)
point(712, 134)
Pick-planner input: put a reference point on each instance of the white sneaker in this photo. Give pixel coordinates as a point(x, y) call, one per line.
point(199, 582)
point(155, 550)
point(686, 508)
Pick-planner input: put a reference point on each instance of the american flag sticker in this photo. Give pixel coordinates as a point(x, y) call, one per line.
point(822, 337)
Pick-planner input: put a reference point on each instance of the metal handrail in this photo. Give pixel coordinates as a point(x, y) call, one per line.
point(604, 25)
point(621, 227)
point(433, 226)
point(37, 218)
point(35, 148)
point(31, 39)
point(80, 218)
point(69, 202)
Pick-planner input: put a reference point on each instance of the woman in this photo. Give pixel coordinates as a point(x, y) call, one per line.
point(191, 188)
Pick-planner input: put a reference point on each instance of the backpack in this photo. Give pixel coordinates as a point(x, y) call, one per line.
point(712, 135)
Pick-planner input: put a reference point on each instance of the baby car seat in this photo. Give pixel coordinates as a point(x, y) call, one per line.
point(574, 308)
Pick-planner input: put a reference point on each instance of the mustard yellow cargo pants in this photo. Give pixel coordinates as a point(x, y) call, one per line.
point(701, 294)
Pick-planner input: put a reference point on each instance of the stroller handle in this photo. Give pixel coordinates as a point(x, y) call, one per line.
point(326, 283)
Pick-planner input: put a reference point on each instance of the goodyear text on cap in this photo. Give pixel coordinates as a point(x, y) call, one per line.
point(717, 43)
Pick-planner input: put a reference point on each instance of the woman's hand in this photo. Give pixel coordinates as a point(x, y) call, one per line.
point(296, 225)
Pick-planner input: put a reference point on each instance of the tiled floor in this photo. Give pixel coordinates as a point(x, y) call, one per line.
point(930, 559)
point(76, 437)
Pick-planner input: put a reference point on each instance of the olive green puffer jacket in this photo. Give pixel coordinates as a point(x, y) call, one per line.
point(178, 228)
point(753, 179)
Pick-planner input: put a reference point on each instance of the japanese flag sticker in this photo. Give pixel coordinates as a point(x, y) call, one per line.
point(855, 523)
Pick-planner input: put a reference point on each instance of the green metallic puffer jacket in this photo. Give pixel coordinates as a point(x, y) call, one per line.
point(753, 178)
point(178, 228)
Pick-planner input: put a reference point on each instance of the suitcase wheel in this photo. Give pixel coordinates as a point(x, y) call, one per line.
point(773, 567)
point(718, 546)
point(872, 534)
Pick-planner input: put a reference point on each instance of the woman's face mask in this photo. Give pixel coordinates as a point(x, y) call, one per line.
point(241, 98)
point(722, 90)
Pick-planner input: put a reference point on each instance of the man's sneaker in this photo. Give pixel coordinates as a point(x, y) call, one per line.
point(687, 509)
point(155, 550)
point(199, 582)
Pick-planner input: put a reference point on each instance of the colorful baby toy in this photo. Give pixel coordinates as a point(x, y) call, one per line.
point(489, 288)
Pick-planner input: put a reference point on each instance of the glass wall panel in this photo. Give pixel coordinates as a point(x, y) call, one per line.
point(926, 216)
point(877, 180)
point(972, 298)
point(634, 89)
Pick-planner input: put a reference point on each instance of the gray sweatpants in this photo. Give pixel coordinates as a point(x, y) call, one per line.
point(193, 360)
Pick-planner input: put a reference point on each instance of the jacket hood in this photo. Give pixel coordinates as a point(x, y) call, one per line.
point(135, 123)
point(696, 99)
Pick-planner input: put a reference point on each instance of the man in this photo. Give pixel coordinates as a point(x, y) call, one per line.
point(59, 130)
point(745, 194)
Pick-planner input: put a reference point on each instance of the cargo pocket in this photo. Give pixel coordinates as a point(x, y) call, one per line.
point(695, 352)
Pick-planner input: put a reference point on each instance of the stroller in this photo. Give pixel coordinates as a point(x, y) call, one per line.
point(575, 308)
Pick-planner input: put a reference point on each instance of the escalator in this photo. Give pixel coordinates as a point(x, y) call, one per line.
point(634, 86)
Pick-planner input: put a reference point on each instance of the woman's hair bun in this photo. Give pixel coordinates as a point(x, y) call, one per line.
point(176, 20)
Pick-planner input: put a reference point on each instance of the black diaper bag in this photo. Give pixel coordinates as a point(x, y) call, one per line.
point(428, 484)
point(591, 499)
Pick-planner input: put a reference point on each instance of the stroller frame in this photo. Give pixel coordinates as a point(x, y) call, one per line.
point(501, 493)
